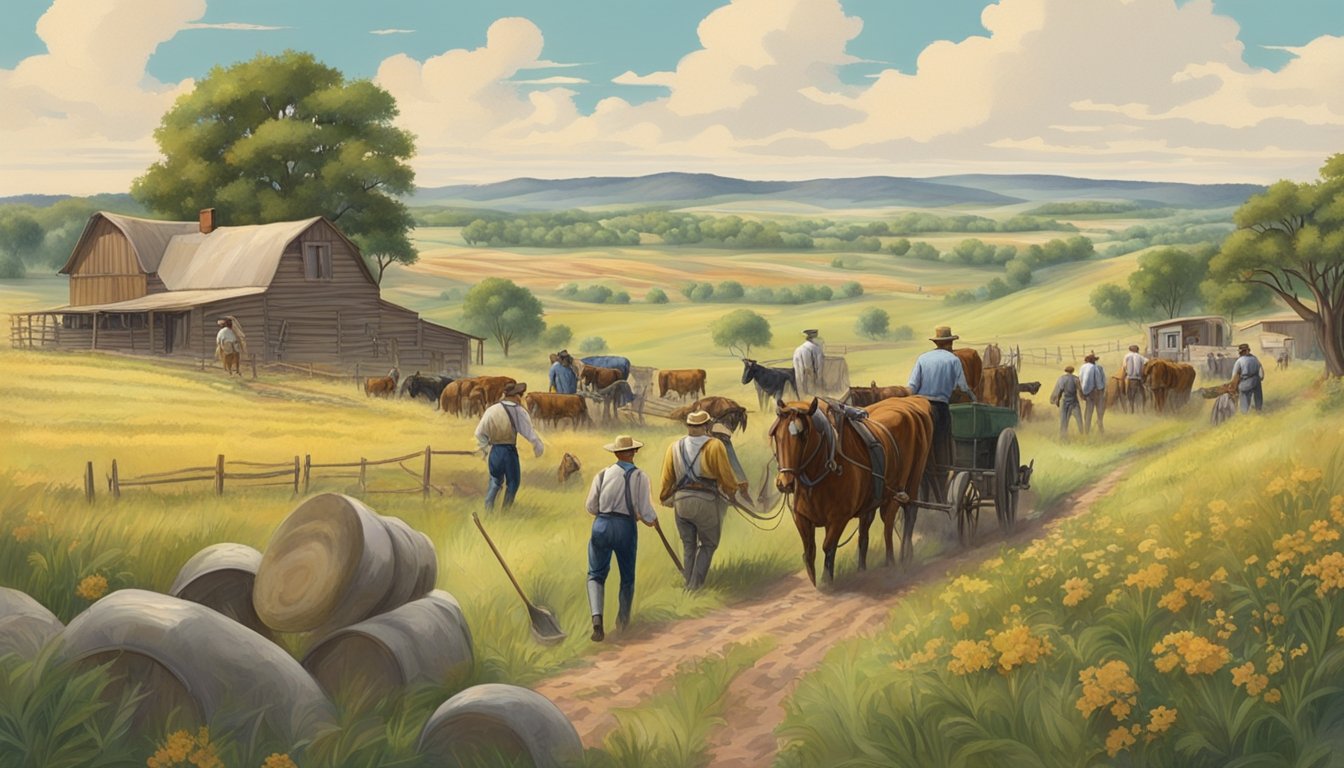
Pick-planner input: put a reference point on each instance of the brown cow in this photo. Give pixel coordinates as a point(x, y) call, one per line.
point(488, 391)
point(1024, 409)
point(998, 386)
point(1169, 381)
point(569, 465)
point(456, 395)
point(861, 396)
point(993, 356)
point(551, 407)
point(723, 410)
point(1185, 383)
point(382, 386)
point(684, 382)
point(974, 369)
point(599, 378)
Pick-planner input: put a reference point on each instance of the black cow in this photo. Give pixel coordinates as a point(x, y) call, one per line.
point(770, 382)
point(428, 387)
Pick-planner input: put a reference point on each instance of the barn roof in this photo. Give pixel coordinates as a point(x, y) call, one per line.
point(161, 301)
point(1288, 318)
point(228, 257)
point(148, 237)
point(1191, 319)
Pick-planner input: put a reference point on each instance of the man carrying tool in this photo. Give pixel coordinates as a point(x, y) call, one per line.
point(499, 429)
point(620, 494)
point(696, 471)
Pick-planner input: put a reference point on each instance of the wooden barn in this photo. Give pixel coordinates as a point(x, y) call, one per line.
point(300, 291)
point(1186, 338)
point(1285, 332)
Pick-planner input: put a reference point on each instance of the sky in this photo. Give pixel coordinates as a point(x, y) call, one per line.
point(1182, 90)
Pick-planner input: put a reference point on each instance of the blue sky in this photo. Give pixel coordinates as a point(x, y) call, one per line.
point(1183, 89)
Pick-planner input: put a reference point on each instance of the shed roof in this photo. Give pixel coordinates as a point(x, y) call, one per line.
point(160, 301)
point(1288, 318)
point(148, 237)
point(1191, 319)
point(228, 257)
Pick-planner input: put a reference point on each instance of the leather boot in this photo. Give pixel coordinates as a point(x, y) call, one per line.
point(598, 635)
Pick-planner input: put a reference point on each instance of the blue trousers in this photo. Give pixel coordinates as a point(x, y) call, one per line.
point(614, 534)
point(505, 471)
point(1253, 397)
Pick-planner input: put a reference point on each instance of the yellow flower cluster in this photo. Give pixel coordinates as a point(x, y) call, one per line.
point(92, 587)
point(1337, 509)
point(1222, 620)
point(1198, 655)
point(1245, 675)
point(1160, 720)
point(1322, 532)
point(1295, 484)
point(32, 523)
point(1329, 571)
point(1150, 577)
point(918, 658)
point(1175, 599)
point(1109, 685)
point(970, 656)
point(1076, 590)
point(182, 748)
point(1288, 548)
point(279, 761)
point(1118, 740)
point(1017, 646)
point(960, 620)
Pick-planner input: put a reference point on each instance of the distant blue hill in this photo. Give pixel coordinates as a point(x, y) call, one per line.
point(681, 189)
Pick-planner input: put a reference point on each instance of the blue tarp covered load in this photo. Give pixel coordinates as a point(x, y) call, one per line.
point(621, 364)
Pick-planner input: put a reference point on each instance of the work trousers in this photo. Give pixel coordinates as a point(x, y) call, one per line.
point(1252, 398)
point(1096, 400)
point(1069, 408)
point(699, 523)
point(614, 535)
point(504, 471)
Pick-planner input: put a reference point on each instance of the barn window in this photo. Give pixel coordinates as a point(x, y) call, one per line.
point(317, 261)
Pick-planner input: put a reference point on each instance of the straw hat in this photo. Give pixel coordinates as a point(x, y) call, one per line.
point(697, 419)
point(516, 388)
point(1133, 347)
point(943, 333)
point(623, 443)
point(810, 332)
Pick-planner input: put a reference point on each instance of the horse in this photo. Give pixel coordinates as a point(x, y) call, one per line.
point(814, 451)
point(770, 382)
point(427, 387)
point(993, 355)
point(861, 396)
point(973, 367)
point(723, 410)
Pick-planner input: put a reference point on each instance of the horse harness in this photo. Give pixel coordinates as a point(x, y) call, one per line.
point(688, 479)
point(629, 502)
point(863, 427)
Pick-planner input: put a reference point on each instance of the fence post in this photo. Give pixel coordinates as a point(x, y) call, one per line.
point(357, 374)
point(307, 470)
point(219, 475)
point(253, 360)
point(296, 475)
point(428, 454)
point(88, 481)
point(363, 474)
point(310, 370)
point(1059, 355)
point(116, 481)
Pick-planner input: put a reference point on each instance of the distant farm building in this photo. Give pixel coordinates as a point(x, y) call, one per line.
point(1186, 338)
point(299, 289)
point(1285, 332)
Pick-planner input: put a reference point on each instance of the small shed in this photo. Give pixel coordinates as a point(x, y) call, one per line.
point(1284, 332)
point(1174, 339)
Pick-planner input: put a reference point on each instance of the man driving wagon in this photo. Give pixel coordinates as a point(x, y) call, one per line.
point(936, 375)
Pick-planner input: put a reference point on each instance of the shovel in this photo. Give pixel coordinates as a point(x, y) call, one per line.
point(545, 629)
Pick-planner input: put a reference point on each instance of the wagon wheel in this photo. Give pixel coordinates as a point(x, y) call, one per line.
point(964, 495)
point(1007, 459)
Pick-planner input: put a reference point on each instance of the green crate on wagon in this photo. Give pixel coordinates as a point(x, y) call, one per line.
point(979, 421)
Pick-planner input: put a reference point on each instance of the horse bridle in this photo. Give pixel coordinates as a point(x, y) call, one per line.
point(822, 426)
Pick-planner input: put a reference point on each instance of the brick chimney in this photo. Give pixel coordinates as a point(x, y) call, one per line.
point(207, 220)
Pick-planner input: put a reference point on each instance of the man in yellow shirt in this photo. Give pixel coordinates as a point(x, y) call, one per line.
point(697, 475)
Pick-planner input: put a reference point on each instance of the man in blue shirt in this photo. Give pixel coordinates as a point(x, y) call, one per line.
point(563, 378)
point(936, 374)
point(1247, 373)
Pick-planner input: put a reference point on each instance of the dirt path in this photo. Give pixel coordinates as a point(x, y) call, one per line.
point(801, 622)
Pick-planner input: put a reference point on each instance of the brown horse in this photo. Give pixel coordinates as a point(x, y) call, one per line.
point(861, 396)
point(973, 367)
point(813, 455)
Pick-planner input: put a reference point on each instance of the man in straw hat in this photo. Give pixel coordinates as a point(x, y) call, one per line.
point(696, 470)
point(620, 494)
point(808, 360)
point(937, 373)
point(1067, 393)
point(1247, 374)
point(1093, 379)
point(499, 429)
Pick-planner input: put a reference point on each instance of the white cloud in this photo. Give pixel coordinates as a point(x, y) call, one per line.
point(233, 26)
point(662, 79)
point(557, 80)
point(391, 31)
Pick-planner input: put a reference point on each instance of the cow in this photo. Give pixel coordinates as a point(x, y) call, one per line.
point(723, 410)
point(998, 386)
point(862, 396)
point(425, 387)
point(1024, 409)
point(594, 377)
point(488, 391)
point(569, 465)
point(551, 408)
point(382, 386)
point(973, 367)
point(455, 396)
point(770, 382)
point(684, 382)
point(1170, 382)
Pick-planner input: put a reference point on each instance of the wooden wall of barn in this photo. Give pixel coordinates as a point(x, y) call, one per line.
point(108, 270)
point(321, 320)
point(250, 311)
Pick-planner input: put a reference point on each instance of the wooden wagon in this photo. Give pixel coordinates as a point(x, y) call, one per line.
point(986, 469)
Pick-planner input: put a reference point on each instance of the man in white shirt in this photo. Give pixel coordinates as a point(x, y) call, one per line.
point(229, 347)
point(1093, 378)
point(499, 429)
point(1132, 367)
point(620, 494)
point(1247, 375)
point(808, 359)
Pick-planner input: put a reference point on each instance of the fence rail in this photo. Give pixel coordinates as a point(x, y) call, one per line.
point(297, 474)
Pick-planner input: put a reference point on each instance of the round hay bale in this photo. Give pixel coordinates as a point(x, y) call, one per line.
point(199, 664)
point(412, 556)
point(491, 721)
point(425, 640)
point(221, 578)
point(25, 624)
point(429, 565)
point(329, 564)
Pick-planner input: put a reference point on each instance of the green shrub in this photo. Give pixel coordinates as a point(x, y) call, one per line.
point(593, 344)
point(656, 296)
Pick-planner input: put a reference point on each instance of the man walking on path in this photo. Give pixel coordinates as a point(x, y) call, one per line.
point(563, 379)
point(1133, 370)
point(1067, 392)
point(229, 345)
point(620, 495)
point(1247, 374)
point(696, 470)
point(936, 374)
point(808, 360)
point(499, 429)
point(1093, 379)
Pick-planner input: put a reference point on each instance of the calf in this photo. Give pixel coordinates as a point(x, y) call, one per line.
point(382, 386)
point(569, 466)
point(998, 386)
point(1024, 408)
point(551, 407)
point(684, 382)
point(595, 378)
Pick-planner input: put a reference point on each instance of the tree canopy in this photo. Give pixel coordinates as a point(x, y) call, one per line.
point(1290, 240)
point(740, 330)
point(281, 138)
point(873, 322)
point(1167, 280)
point(504, 310)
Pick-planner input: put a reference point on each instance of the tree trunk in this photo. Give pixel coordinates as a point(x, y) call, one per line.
point(1332, 344)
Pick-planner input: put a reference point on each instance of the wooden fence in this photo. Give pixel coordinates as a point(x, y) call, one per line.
point(297, 474)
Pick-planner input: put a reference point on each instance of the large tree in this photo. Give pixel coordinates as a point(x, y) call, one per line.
point(740, 330)
point(280, 138)
point(1290, 239)
point(504, 310)
point(1167, 280)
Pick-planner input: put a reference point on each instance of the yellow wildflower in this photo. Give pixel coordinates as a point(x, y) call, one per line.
point(1160, 719)
point(1118, 741)
point(1337, 509)
point(1109, 685)
point(970, 656)
point(1173, 601)
point(92, 587)
point(1198, 655)
point(1219, 576)
point(1192, 536)
point(1329, 571)
point(1321, 532)
point(1339, 632)
point(1218, 507)
point(1273, 696)
point(279, 761)
point(971, 585)
point(1252, 560)
point(1164, 553)
point(1245, 675)
point(1147, 544)
point(37, 519)
point(1018, 646)
point(24, 533)
point(1275, 663)
point(182, 748)
point(960, 620)
point(1150, 577)
point(1307, 475)
point(1076, 590)
point(1298, 652)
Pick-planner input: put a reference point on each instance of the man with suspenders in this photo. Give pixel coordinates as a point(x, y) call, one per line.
point(697, 476)
point(620, 494)
point(500, 427)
